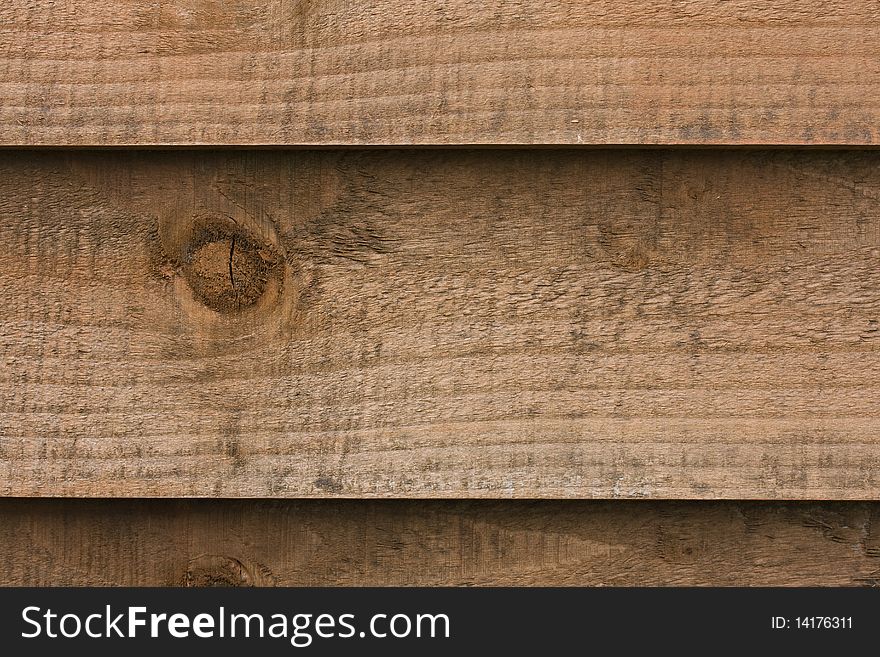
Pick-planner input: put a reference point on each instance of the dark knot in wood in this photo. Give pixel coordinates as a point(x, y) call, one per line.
point(220, 570)
point(228, 268)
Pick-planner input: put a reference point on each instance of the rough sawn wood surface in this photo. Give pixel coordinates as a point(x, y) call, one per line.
point(437, 543)
point(661, 324)
point(269, 72)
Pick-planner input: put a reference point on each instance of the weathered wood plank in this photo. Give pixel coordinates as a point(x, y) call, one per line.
point(102, 72)
point(360, 543)
point(441, 324)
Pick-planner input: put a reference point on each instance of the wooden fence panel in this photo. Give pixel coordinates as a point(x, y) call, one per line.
point(663, 324)
point(254, 72)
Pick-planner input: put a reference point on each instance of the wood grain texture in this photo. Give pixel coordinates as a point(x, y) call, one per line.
point(410, 543)
point(116, 72)
point(441, 324)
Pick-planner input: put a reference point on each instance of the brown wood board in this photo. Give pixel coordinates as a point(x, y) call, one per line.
point(553, 324)
point(126, 72)
point(439, 543)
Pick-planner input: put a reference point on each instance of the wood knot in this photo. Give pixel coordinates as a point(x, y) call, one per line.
point(227, 267)
point(217, 570)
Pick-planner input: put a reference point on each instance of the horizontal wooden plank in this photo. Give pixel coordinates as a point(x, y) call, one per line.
point(404, 543)
point(116, 72)
point(678, 324)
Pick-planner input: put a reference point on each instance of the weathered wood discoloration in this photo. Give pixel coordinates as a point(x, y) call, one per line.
point(124, 72)
point(666, 324)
